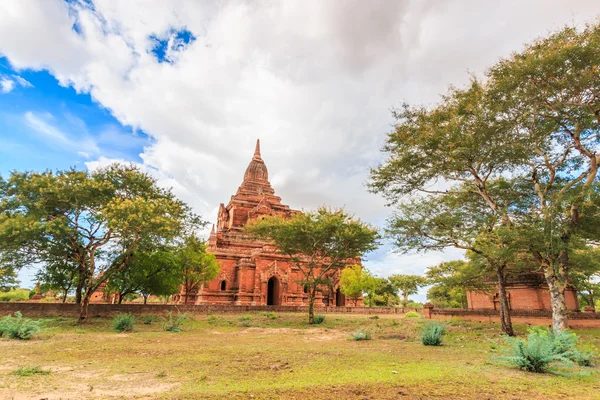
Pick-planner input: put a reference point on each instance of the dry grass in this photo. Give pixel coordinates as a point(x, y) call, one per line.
point(282, 357)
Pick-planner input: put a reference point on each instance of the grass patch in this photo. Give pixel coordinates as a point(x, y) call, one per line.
point(281, 358)
point(29, 371)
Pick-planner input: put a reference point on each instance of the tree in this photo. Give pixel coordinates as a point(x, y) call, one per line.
point(92, 219)
point(549, 92)
point(585, 274)
point(450, 281)
point(460, 219)
point(352, 282)
point(319, 243)
point(197, 266)
point(148, 273)
point(385, 293)
point(407, 285)
point(59, 276)
point(8, 279)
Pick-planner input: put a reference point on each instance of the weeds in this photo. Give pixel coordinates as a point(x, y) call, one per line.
point(18, 327)
point(29, 371)
point(174, 322)
point(361, 334)
point(124, 322)
point(432, 334)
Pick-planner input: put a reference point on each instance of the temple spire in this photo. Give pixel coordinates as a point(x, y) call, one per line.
point(257, 151)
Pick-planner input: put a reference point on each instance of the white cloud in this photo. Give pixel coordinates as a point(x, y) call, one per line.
point(314, 80)
point(6, 85)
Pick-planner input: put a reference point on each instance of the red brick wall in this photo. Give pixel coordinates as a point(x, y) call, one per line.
point(521, 298)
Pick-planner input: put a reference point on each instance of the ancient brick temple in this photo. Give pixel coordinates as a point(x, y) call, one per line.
point(526, 291)
point(252, 271)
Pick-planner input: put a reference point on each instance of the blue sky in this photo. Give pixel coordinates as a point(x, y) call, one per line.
point(47, 126)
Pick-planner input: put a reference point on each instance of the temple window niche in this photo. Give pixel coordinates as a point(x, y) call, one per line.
point(223, 285)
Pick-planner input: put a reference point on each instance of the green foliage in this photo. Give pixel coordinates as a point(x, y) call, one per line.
point(18, 327)
point(412, 314)
point(174, 322)
point(361, 334)
point(543, 348)
point(319, 243)
point(408, 285)
point(124, 323)
point(432, 334)
point(86, 217)
point(149, 319)
point(28, 371)
point(196, 264)
point(151, 272)
point(8, 278)
point(319, 319)
point(15, 295)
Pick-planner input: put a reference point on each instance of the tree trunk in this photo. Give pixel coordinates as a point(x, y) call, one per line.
point(78, 291)
point(65, 292)
point(83, 309)
point(145, 298)
point(120, 298)
point(560, 313)
point(504, 306)
point(311, 307)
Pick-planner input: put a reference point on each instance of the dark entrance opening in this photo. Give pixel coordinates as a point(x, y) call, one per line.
point(223, 285)
point(273, 292)
point(340, 299)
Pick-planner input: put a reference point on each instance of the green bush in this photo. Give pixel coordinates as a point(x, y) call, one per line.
point(148, 319)
point(124, 322)
point(543, 348)
point(174, 322)
point(213, 320)
point(412, 314)
point(245, 318)
point(28, 371)
point(361, 334)
point(319, 319)
point(432, 334)
point(15, 295)
point(18, 327)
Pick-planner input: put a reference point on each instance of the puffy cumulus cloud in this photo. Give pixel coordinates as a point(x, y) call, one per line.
point(313, 79)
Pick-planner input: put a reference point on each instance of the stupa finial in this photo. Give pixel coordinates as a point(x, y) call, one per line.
point(257, 150)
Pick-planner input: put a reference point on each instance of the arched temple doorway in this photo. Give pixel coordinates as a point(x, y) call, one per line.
point(273, 295)
point(340, 299)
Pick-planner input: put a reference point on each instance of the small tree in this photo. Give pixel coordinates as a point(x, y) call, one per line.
point(319, 243)
point(196, 265)
point(152, 272)
point(354, 281)
point(407, 285)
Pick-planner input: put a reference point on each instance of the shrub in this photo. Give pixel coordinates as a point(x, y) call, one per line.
point(124, 322)
point(542, 348)
point(28, 371)
point(213, 320)
point(18, 327)
point(148, 319)
point(412, 314)
point(432, 334)
point(361, 334)
point(245, 323)
point(15, 295)
point(173, 322)
point(245, 318)
point(319, 319)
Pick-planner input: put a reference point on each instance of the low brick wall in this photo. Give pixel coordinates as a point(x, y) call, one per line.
point(577, 320)
point(33, 309)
